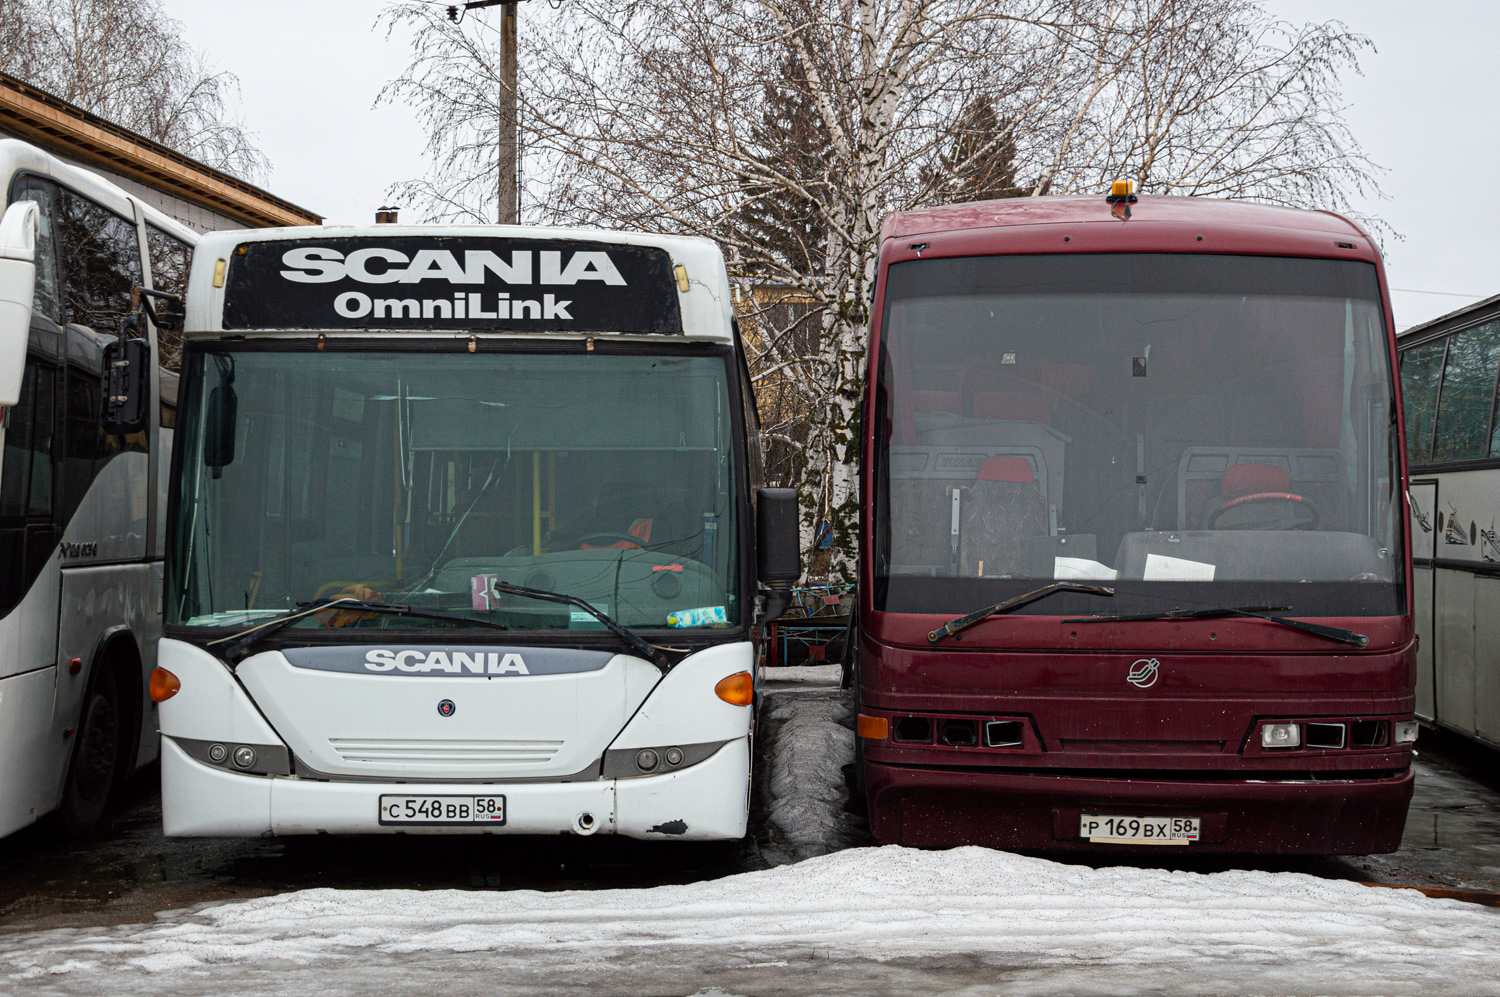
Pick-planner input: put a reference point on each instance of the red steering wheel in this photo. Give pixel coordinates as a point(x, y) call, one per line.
point(1303, 524)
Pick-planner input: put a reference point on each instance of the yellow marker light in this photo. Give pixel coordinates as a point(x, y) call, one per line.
point(737, 689)
point(873, 728)
point(1122, 188)
point(682, 280)
point(219, 266)
point(164, 685)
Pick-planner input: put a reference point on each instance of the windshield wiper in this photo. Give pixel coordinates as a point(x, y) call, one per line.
point(1257, 612)
point(647, 650)
point(965, 622)
point(241, 642)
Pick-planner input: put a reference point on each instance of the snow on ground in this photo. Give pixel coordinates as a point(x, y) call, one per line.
point(968, 918)
point(803, 790)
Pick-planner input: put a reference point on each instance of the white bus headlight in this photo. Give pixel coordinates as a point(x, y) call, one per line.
point(1406, 732)
point(1280, 736)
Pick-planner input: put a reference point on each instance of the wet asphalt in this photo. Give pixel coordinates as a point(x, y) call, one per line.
point(127, 871)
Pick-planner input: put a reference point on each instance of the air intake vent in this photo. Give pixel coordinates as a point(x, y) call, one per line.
point(1325, 735)
point(455, 754)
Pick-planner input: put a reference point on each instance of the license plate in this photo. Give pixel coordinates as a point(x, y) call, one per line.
point(1109, 830)
point(442, 810)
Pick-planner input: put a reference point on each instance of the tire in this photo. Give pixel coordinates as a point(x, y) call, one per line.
point(96, 755)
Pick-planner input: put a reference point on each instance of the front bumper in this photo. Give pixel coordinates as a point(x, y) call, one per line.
point(707, 801)
point(1036, 811)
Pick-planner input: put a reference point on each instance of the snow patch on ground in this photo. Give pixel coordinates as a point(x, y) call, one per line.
point(805, 790)
point(785, 675)
point(1041, 925)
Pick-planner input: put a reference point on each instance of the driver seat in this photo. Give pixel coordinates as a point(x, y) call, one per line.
point(1249, 479)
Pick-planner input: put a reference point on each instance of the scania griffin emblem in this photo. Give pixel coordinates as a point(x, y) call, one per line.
point(446, 708)
point(1143, 673)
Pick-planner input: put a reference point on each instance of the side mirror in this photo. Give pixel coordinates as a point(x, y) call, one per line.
point(219, 428)
point(126, 387)
point(778, 547)
point(18, 229)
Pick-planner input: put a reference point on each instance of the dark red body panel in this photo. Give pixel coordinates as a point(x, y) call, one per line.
point(1182, 746)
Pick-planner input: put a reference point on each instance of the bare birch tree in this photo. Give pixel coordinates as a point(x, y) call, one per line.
point(787, 129)
point(126, 61)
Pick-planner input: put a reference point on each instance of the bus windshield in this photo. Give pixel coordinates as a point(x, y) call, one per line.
point(424, 478)
point(1193, 430)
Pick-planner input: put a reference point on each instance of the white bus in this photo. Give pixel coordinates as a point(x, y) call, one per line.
point(1450, 370)
point(80, 514)
point(462, 538)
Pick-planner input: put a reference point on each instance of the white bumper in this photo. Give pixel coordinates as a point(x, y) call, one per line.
point(707, 801)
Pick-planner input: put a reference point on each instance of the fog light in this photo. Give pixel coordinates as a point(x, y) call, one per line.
point(645, 760)
point(244, 756)
point(164, 685)
point(1280, 736)
point(1406, 731)
point(674, 756)
point(217, 752)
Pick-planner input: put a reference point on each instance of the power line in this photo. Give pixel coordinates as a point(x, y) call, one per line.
point(1446, 294)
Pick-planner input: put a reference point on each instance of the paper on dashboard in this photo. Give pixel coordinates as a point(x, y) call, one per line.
point(1161, 568)
point(1082, 569)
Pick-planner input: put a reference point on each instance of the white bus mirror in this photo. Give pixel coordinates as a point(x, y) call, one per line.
point(18, 230)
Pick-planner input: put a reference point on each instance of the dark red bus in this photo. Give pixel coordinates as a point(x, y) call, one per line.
point(1132, 566)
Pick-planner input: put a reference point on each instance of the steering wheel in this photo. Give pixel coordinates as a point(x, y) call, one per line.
point(610, 537)
point(1296, 524)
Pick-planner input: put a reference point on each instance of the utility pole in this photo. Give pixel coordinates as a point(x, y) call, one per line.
point(509, 192)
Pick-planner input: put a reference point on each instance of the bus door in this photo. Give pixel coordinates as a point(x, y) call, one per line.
point(1424, 504)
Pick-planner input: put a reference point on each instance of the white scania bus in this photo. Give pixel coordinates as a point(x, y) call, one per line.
point(462, 537)
point(80, 515)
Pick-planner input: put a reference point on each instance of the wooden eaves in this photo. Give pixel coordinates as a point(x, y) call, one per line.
point(58, 126)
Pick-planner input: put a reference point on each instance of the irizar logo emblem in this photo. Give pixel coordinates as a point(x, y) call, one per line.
point(1143, 672)
point(381, 659)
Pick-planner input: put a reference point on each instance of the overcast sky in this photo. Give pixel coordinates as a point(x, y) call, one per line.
point(310, 71)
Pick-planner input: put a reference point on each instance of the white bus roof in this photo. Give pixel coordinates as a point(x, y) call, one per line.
point(627, 279)
point(17, 157)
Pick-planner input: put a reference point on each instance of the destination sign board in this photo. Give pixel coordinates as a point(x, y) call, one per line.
point(481, 284)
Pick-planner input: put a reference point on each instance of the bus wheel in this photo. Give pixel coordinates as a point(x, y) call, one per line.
point(96, 756)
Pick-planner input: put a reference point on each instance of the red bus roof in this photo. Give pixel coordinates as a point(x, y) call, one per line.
point(1157, 224)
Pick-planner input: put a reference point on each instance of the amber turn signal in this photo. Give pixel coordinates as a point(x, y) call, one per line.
point(874, 728)
point(736, 690)
point(164, 685)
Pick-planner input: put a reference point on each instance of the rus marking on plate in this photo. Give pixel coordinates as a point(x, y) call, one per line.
point(1143, 672)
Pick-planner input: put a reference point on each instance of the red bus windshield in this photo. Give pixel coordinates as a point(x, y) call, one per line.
point(1192, 430)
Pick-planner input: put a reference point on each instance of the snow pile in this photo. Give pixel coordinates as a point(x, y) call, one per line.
point(1036, 925)
point(810, 743)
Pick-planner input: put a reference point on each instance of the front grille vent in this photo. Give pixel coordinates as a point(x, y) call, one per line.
point(449, 754)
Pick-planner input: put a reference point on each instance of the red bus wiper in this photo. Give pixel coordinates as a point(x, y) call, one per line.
point(1257, 612)
point(965, 622)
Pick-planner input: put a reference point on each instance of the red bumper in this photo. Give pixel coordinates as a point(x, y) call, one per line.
point(942, 808)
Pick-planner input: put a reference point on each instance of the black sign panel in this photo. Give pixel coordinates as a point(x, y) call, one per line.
point(477, 283)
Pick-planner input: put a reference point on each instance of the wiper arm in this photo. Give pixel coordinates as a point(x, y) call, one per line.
point(241, 642)
point(965, 622)
point(646, 649)
point(1256, 612)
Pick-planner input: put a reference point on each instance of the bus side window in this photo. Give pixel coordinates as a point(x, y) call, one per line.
point(45, 301)
point(1467, 395)
point(171, 259)
point(101, 262)
point(86, 447)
